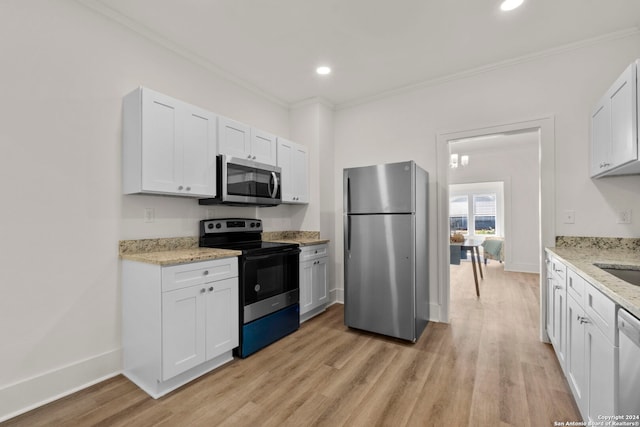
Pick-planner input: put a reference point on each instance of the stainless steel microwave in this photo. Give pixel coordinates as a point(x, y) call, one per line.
point(242, 182)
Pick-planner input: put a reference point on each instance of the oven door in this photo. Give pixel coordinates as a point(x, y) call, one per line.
point(270, 282)
point(248, 182)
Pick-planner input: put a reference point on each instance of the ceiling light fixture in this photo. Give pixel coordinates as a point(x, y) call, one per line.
point(323, 71)
point(510, 4)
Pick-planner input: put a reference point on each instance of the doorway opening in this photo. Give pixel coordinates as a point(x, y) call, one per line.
point(469, 148)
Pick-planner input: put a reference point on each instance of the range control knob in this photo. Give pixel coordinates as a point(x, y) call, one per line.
point(218, 225)
point(210, 226)
point(257, 224)
point(252, 225)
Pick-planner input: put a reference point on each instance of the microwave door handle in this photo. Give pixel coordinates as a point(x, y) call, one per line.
point(274, 177)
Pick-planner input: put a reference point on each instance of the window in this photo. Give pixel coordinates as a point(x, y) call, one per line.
point(476, 210)
point(459, 214)
point(484, 214)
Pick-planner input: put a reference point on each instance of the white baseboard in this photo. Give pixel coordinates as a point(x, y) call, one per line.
point(30, 393)
point(522, 268)
point(337, 295)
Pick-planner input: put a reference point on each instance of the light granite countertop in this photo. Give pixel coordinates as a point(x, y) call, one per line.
point(180, 256)
point(182, 250)
point(582, 261)
point(301, 241)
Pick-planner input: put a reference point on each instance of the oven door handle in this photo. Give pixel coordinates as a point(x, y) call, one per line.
point(285, 252)
point(259, 257)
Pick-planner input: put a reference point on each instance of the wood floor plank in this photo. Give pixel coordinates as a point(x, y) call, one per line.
point(486, 368)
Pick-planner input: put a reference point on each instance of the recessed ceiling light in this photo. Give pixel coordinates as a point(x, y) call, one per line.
point(510, 4)
point(323, 71)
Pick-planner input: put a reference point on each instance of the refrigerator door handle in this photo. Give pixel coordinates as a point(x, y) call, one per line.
point(348, 233)
point(348, 194)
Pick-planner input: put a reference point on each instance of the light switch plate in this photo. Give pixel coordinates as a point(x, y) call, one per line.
point(624, 217)
point(149, 214)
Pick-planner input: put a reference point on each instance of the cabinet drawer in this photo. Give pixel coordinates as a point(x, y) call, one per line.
point(313, 252)
point(196, 273)
point(575, 285)
point(600, 311)
point(559, 270)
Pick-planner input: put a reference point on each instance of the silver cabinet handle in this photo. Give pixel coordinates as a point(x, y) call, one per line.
point(557, 287)
point(583, 320)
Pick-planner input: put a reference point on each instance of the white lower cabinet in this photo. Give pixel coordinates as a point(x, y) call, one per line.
point(179, 321)
point(590, 353)
point(556, 309)
point(314, 289)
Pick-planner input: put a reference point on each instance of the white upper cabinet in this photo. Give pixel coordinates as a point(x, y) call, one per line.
point(168, 146)
point(240, 140)
point(614, 128)
point(263, 147)
point(293, 160)
point(234, 138)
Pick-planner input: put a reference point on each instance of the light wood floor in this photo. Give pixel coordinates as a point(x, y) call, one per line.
point(485, 368)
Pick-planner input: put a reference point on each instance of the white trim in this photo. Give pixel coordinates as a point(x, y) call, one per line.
point(313, 101)
point(546, 129)
point(337, 295)
point(629, 32)
point(146, 32)
point(522, 268)
point(30, 393)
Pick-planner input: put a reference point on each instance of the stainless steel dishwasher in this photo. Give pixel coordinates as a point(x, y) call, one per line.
point(629, 364)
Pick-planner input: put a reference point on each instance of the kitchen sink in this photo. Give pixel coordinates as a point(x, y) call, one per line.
point(628, 273)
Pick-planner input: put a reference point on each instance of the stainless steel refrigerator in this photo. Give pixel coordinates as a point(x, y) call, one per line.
point(386, 262)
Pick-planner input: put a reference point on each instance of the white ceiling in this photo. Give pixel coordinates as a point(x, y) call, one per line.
point(373, 46)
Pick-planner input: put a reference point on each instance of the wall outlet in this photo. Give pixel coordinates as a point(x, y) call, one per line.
point(624, 217)
point(149, 215)
point(569, 217)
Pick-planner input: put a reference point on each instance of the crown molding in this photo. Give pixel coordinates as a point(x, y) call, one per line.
point(142, 30)
point(312, 101)
point(629, 32)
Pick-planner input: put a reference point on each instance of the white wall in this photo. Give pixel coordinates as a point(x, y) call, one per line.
point(514, 162)
point(64, 72)
point(566, 84)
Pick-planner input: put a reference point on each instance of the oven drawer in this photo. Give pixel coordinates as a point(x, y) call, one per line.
point(197, 273)
point(309, 253)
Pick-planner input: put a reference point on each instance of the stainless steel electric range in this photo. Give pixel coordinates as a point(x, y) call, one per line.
point(269, 280)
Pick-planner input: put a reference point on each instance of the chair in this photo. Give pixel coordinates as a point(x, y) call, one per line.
point(493, 248)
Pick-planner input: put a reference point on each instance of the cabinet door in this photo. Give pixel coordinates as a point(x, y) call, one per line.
point(161, 143)
point(320, 286)
point(263, 147)
point(306, 286)
point(199, 152)
point(600, 137)
point(575, 370)
point(285, 156)
point(300, 174)
point(601, 359)
point(293, 160)
point(234, 138)
point(559, 321)
point(622, 98)
point(222, 317)
point(183, 330)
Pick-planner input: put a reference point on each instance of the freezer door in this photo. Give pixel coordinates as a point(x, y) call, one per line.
point(385, 188)
point(380, 274)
